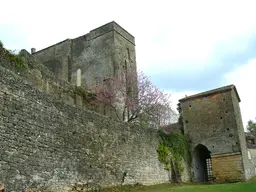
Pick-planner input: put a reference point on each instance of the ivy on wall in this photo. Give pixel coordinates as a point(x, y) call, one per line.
point(172, 150)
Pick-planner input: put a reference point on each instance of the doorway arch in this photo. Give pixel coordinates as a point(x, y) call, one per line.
point(202, 164)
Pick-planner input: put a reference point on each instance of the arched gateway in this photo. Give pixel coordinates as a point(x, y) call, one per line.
point(202, 165)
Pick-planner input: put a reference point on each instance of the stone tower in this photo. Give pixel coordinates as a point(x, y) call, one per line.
point(104, 52)
point(107, 51)
point(212, 120)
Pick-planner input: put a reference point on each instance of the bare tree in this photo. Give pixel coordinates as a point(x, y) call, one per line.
point(134, 97)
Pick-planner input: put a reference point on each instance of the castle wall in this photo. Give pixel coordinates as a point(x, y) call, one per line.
point(57, 59)
point(94, 56)
point(38, 76)
point(46, 143)
point(213, 121)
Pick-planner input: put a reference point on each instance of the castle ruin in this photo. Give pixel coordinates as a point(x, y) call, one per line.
point(50, 139)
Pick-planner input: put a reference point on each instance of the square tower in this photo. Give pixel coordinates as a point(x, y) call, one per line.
point(213, 122)
point(104, 53)
point(107, 51)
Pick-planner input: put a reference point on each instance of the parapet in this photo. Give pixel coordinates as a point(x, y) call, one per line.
point(112, 26)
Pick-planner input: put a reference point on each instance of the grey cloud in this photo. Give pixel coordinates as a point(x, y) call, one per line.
point(224, 59)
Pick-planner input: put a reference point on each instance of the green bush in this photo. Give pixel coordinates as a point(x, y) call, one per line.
point(164, 155)
point(16, 59)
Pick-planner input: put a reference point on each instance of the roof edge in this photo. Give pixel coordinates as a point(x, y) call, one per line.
point(211, 92)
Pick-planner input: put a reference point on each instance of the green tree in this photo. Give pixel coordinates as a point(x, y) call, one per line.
point(251, 126)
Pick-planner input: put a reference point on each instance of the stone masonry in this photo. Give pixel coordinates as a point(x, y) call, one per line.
point(48, 144)
point(51, 141)
point(213, 119)
point(50, 138)
point(104, 52)
point(108, 51)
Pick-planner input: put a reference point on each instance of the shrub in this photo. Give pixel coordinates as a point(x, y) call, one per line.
point(16, 59)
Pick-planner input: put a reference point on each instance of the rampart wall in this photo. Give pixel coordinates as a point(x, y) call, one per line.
point(48, 143)
point(47, 140)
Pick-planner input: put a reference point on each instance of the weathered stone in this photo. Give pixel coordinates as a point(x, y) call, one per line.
point(49, 138)
point(108, 51)
point(213, 119)
point(56, 145)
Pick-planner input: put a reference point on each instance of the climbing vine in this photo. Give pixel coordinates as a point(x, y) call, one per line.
point(172, 150)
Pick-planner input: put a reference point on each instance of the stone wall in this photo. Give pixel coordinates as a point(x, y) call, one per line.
point(57, 59)
point(46, 143)
point(228, 168)
point(39, 77)
point(251, 153)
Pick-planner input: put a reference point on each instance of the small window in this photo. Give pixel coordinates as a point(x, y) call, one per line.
point(128, 54)
point(78, 78)
point(249, 155)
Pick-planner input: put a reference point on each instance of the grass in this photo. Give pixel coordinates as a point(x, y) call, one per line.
point(234, 187)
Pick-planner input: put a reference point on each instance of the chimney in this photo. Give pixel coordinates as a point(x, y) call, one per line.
point(33, 50)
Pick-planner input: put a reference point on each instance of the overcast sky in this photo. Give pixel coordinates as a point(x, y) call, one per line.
point(186, 46)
